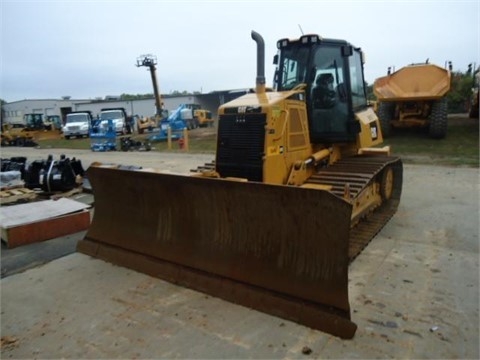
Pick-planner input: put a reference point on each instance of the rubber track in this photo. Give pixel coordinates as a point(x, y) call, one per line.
point(358, 172)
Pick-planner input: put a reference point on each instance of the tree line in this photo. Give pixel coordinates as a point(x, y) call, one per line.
point(127, 97)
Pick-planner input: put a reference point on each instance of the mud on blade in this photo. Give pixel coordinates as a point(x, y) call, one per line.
point(278, 249)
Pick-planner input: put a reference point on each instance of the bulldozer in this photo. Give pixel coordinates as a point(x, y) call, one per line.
point(298, 188)
point(414, 96)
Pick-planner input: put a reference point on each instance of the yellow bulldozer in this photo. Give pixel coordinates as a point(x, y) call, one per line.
point(414, 96)
point(297, 190)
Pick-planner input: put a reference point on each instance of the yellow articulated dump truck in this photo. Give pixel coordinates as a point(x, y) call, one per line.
point(414, 96)
point(297, 190)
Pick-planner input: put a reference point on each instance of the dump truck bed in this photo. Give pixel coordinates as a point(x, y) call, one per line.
point(413, 82)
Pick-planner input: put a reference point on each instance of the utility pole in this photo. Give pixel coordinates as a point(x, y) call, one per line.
point(150, 61)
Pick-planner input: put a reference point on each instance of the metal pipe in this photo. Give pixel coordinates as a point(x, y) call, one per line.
point(260, 80)
point(320, 155)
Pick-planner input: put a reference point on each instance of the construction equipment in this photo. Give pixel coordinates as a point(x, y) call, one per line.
point(103, 138)
point(145, 123)
point(295, 193)
point(16, 135)
point(186, 114)
point(54, 175)
point(53, 121)
point(203, 117)
point(127, 144)
point(43, 130)
point(414, 96)
point(179, 119)
point(150, 61)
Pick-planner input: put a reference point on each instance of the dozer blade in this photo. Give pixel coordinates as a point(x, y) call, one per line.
point(281, 250)
point(47, 135)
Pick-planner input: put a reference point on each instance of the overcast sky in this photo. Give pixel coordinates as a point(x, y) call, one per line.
point(88, 49)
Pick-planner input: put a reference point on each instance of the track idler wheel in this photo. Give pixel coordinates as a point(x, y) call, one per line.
point(386, 183)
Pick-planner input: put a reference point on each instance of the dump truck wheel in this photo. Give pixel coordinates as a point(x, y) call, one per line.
point(438, 119)
point(386, 184)
point(385, 115)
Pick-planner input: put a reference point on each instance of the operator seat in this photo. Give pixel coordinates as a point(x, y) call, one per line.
point(323, 93)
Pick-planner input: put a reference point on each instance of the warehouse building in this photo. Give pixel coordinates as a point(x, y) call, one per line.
point(13, 112)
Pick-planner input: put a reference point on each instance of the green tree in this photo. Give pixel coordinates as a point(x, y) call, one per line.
point(460, 92)
point(177, 93)
point(128, 97)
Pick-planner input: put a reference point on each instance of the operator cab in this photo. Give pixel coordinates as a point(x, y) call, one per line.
point(333, 73)
point(35, 122)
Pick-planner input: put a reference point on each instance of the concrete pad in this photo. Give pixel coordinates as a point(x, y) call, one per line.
point(414, 293)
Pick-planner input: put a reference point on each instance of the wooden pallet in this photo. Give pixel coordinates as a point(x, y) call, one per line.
point(14, 195)
point(66, 194)
point(42, 220)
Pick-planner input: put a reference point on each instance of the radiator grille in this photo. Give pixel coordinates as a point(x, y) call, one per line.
point(240, 146)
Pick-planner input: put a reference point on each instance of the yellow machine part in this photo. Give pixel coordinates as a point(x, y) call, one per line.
point(413, 82)
point(11, 133)
point(279, 249)
point(46, 134)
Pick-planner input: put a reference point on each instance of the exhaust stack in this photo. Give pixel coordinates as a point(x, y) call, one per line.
point(260, 80)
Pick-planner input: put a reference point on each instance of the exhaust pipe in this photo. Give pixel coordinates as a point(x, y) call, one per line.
point(260, 80)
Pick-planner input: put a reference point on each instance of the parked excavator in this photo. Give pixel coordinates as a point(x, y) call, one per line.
point(298, 188)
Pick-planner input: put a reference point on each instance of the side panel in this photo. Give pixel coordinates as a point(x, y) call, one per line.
point(370, 134)
point(285, 243)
